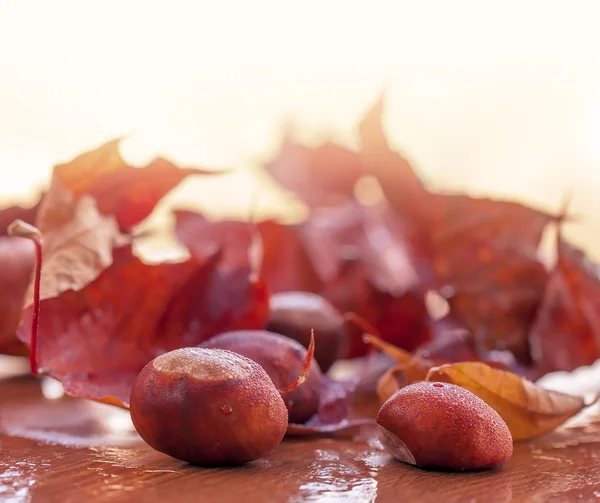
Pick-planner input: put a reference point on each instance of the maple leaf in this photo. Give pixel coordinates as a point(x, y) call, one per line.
point(128, 193)
point(401, 185)
point(95, 340)
point(482, 253)
point(566, 332)
point(320, 176)
point(284, 263)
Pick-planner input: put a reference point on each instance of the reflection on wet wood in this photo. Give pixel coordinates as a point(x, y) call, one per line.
point(67, 450)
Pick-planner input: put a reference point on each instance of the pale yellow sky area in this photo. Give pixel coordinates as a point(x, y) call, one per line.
point(497, 98)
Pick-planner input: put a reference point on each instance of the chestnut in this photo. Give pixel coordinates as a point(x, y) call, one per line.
point(282, 359)
point(208, 407)
point(295, 314)
point(440, 425)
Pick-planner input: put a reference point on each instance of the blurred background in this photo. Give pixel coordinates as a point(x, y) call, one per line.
point(496, 99)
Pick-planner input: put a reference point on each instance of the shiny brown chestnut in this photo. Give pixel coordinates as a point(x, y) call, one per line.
point(443, 426)
point(295, 314)
point(282, 358)
point(208, 407)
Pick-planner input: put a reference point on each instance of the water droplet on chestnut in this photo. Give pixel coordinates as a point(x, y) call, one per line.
point(177, 407)
point(282, 359)
point(416, 427)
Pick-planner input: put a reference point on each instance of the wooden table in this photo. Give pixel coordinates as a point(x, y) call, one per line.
point(68, 450)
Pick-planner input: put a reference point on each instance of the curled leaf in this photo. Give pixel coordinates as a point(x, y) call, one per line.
point(390, 382)
point(78, 241)
point(527, 409)
point(569, 315)
point(333, 414)
point(305, 370)
point(414, 367)
point(127, 192)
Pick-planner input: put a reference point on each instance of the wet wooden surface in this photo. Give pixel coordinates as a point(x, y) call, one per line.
point(67, 450)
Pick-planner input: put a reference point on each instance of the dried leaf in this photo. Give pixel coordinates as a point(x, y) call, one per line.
point(97, 339)
point(566, 333)
point(320, 176)
point(390, 382)
point(527, 409)
point(401, 186)
point(78, 241)
point(485, 255)
point(333, 414)
point(414, 367)
point(482, 252)
point(285, 264)
point(128, 193)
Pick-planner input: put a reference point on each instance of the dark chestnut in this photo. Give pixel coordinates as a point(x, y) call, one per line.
point(295, 314)
point(440, 425)
point(282, 358)
point(208, 407)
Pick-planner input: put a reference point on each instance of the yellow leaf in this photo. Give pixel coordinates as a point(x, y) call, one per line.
point(527, 409)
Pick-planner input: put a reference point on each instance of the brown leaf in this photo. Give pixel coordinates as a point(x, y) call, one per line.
point(391, 381)
point(414, 367)
point(527, 409)
point(320, 176)
point(128, 193)
point(401, 185)
point(285, 263)
point(333, 414)
point(566, 333)
point(78, 241)
point(482, 252)
point(16, 269)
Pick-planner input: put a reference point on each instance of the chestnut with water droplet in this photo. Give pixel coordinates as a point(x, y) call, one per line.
point(282, 358)
point(209, 407)
point(295, 314)
point(443, 426)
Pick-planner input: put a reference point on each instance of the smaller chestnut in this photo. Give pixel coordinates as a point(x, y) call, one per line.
point(444, 426)
point(208, 407)
point(295, 314)
point(282, 359)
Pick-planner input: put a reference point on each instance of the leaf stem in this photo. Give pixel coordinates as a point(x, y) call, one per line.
point(25, 230)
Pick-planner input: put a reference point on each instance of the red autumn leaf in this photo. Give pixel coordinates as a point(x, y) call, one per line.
point(486, 262)
point(401, 185)
point(320, 176)
point(97, 339)
point(483, 253)
point(333, 414)
point(367, 269)
point(566, 333)
point(285, 265)
point(16, 268)
point(128, 193)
